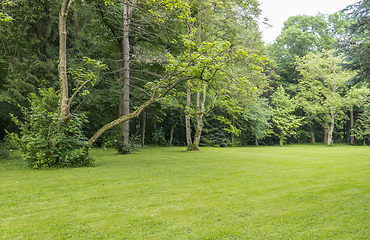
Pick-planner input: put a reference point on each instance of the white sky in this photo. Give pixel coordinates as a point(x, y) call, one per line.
point(278, 11)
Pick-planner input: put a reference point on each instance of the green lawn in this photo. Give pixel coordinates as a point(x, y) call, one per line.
point(294, 192)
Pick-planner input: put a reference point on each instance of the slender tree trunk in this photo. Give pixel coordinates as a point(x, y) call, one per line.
point(325, 135)
point(232, 133)
point(351, 131)
point(172, 131)
point(364, 143)
point(256, 141)
point(171, 135)
point(125, 92)
point(187, 116)
point(66, 5)
point(143, 123)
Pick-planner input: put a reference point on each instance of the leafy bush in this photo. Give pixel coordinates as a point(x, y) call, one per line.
point(47, 141)
point(4, 152)
point(125, 148)
point(158, 137)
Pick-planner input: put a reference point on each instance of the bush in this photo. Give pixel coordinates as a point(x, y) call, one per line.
point(45, 140)
point(4, 152)
point(125, 148)
point(158, 137)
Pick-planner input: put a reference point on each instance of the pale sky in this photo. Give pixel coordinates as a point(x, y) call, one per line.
point(278, 11)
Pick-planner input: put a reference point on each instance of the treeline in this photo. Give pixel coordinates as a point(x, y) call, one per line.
point(201, 64)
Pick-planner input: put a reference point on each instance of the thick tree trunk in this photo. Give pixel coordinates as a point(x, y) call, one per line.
point(330, 135)
point(257, 142)
point(325, 135)
point(198, 133)
point(351, 131)
point(66, 5)
point(125, 93)
point(312, 136)
point(200, 113)
point(331, 130)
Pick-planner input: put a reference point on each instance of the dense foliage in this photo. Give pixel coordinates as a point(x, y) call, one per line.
point(46, 141)
point(192, 73)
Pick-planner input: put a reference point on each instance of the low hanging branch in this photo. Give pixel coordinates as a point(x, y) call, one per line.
point(154, 98)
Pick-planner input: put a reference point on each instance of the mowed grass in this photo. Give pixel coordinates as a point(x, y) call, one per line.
point(294, 192)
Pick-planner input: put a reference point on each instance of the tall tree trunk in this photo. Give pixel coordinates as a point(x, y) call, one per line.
point(125, 92)
point(66, 5)
point(351, 131)
point(256, 141)
point(143, 123)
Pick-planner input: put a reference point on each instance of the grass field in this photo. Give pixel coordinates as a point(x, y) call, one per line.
point(294, 192)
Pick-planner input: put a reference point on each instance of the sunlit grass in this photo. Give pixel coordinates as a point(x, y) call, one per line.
point(295, 192)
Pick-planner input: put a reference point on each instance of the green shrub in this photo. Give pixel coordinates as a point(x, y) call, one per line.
point(45, 140)
point(125, 148)
point(158, 137)
point(4, 152)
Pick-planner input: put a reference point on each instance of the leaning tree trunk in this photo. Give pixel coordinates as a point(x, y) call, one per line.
point(64, 109)
point(120, 120)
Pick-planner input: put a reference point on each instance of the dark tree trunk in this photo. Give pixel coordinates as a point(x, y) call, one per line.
point(143, 123)
point(326, 135)
point(351, 131)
